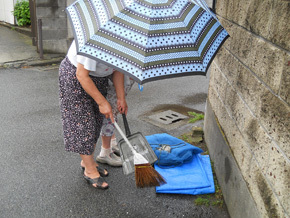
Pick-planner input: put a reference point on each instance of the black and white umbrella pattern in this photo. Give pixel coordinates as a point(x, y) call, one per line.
point(148, 40)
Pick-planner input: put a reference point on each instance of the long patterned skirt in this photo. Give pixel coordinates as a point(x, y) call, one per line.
point(81, 118)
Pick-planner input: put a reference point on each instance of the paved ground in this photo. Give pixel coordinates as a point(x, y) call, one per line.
point(39, 179)
point(17, 49)
point(20, 42)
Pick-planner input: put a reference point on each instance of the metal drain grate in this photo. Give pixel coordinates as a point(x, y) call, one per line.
point(168, 117)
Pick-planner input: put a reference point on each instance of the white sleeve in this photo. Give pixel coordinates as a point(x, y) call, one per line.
point(88, 63)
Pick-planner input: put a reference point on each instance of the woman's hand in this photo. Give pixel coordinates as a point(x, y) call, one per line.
point(106, 109)
point(122, 106)
point(89, 86)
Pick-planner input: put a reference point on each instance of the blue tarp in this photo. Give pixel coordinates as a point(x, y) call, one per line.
point(194, 177)
point(180, 153)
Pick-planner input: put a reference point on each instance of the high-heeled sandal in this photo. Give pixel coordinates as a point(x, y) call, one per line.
point(102, 171)
point(98, 181)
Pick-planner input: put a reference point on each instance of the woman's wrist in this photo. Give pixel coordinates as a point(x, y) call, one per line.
point(100, 100)
point(122, 98)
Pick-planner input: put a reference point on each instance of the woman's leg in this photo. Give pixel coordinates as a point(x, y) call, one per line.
point(109, 138)
point(109, 143)
point(90, 168)
point(103, 172)
point(81, 119)
point(107, 155)
point(106, 142)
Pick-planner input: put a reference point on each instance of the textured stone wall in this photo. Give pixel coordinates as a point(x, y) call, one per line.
point(54, 25)
point(249, 93)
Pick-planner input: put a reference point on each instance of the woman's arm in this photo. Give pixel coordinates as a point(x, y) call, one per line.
point(89, 86)
point(118, 81)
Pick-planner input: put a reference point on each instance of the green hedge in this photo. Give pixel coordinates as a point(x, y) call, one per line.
point(22, 13)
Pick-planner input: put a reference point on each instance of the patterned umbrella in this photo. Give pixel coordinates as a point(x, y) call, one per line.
point(147, 39)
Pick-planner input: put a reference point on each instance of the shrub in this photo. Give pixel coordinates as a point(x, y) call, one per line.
point(22, 13)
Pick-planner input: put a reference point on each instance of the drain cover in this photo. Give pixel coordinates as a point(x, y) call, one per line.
point(168, 117)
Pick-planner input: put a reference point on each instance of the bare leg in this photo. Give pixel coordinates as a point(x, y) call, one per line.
point(114, 141)
point(106, 142)
point(90, 168)
point(82, 162)
point(83, 165)
point(114, 145)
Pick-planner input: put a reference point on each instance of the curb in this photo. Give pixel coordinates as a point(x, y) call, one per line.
point(32, 63)
point(24, 30)
point(44, 62)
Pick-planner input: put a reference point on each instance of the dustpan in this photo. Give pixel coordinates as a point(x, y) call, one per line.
point(139, 143)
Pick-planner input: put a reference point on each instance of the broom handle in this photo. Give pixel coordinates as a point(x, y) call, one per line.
point(127, 129)
point(125, 138)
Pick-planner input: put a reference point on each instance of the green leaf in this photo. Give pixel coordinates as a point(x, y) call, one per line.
point(196, 117)
point(22, 13)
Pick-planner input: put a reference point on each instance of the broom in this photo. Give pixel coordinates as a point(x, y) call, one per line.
point(145, 174)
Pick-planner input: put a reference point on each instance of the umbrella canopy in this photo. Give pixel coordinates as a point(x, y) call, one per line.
point(147, 39)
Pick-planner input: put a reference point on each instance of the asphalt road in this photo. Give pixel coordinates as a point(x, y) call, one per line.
point(40, 179)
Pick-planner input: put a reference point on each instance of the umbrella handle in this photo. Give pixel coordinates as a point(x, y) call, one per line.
point(127, 129)
point(125, 138)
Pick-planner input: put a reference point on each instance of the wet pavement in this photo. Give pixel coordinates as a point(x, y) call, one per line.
point(39, 179)
point(17, 49)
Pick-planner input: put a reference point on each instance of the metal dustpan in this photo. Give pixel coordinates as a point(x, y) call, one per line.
point(139, 143)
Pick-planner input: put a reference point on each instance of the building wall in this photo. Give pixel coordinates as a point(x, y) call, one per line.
point(6, 6)
point(54, 25)
point(249, 95)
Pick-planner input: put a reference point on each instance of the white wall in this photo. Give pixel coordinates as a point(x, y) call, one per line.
point(6, 6)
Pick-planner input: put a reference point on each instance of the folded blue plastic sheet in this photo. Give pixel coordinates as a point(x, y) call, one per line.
point(180, 151)
point(194, 177)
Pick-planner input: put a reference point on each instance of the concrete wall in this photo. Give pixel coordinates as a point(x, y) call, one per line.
point(56, 31)
point(54, 22)
point(6, 6)
point(249, 96)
